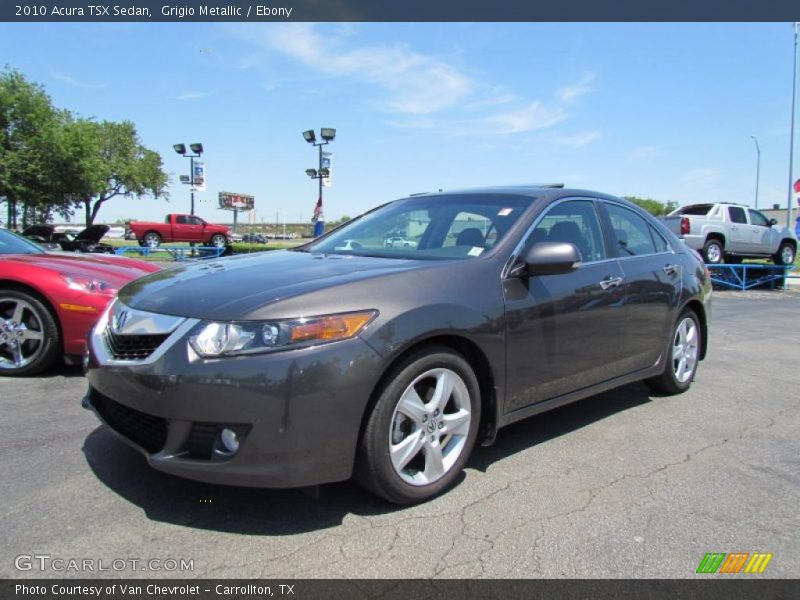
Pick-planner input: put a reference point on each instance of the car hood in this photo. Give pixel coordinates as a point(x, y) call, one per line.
point(114, 270)
point(93, 233)
point(237, 287)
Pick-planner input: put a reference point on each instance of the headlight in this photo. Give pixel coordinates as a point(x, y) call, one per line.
point(229, 339)
point(88, 284)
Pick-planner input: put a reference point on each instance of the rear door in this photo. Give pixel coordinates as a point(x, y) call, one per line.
point(738, 230)
point(564, 332)
point(195, 229)
point(652, 283)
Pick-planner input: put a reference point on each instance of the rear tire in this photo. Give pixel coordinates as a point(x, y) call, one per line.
point(422, 428)
point(713, 252)
point(683, 355)
point(785, 254)
point(151, 239)
point(40, 346)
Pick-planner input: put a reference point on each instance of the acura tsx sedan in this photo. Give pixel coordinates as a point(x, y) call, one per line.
point(389, 364)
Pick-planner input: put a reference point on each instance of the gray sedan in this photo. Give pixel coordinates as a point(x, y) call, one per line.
point(337, 359)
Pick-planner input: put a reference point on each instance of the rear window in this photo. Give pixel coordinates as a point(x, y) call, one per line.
point(695, 209)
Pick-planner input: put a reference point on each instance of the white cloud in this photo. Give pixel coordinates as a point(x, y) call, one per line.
point(417, 86)
point(702, 176)
point(76, 82)
point(192, 96)
point(414, 83)
point(530, 118)
point(572, 92)
point(579, 140)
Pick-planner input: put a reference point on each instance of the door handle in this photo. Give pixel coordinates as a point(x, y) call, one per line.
point(670, 269)
point(610, 282)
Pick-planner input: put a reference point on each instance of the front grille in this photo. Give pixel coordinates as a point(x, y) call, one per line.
point(132, 347)
point(144, 430)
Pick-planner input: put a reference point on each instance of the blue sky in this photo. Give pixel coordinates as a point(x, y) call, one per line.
point(656, 110)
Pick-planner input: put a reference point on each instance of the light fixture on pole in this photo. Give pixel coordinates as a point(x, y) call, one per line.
point(328, 134)
point(197, 148)
point(758, 166)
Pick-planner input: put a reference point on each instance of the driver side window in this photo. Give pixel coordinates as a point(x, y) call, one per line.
point(574, 222)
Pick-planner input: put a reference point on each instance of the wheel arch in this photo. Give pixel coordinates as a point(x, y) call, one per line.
point(476, 358)
point(697, 307)
point(716, 235)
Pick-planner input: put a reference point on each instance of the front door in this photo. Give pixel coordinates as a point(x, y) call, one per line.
point(565, 332)
point(763, 239)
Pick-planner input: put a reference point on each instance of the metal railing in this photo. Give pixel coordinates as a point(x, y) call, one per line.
point(746, 276)
point(178, 253)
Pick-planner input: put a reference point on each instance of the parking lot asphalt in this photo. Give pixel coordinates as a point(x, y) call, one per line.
point(623, 484)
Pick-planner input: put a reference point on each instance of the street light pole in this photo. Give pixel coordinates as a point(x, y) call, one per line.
point(197, 148)
point(328, 134)
point(791, 130)
point(191, 182)
point(758, 166)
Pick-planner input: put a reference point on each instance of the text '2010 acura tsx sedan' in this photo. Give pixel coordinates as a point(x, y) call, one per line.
point(312, 365)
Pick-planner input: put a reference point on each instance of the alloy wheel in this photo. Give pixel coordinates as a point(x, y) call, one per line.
point(430, 426)
point(787, 255)
point(21, 333)
point(685, 350)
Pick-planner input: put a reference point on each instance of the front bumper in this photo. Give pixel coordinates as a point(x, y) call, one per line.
point(298, 413)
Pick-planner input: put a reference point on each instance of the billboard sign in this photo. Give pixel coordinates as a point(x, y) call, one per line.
point(235, 201)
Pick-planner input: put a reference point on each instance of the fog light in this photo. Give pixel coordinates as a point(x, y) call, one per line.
point(229, 441)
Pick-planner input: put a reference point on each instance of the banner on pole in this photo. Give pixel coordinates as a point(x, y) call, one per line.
point(199, 176)
point(327, 163)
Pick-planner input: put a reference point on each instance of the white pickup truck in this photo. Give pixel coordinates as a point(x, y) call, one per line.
point(725, 232)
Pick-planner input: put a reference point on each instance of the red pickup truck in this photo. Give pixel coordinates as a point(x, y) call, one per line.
point(179, 228)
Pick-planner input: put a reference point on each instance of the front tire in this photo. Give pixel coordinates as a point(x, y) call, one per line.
point(30, 341)
point(218, 241)
point(713, 252)
point(422, 428)
point(785, 254)
point(683, 355)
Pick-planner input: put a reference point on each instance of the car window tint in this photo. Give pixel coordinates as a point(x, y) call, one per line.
point(737, 214)
point(180, 220)
point(429, 227)
point(756, 218)
point(469, 228)
point(574, 222)
point(195, 221)
point(631, 232)
point(661, 243)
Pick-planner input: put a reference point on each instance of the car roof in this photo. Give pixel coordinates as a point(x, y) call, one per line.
point(544, 191)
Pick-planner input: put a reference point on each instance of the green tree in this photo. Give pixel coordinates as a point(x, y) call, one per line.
point(28, 124)
point(654, 207)
point(103, 160)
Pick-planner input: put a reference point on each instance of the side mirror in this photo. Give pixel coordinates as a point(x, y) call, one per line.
point(550, 258)
point(773, 222)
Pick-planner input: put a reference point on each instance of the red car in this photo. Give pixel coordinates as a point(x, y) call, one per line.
point(179, 228)
point(49, 301)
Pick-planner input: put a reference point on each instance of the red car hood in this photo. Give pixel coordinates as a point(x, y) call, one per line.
point(115, 270)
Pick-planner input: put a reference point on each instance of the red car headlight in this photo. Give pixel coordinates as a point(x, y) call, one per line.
point(90, 285)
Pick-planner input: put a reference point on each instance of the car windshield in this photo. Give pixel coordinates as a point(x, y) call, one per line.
point(428, 227)
point(11, 243)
